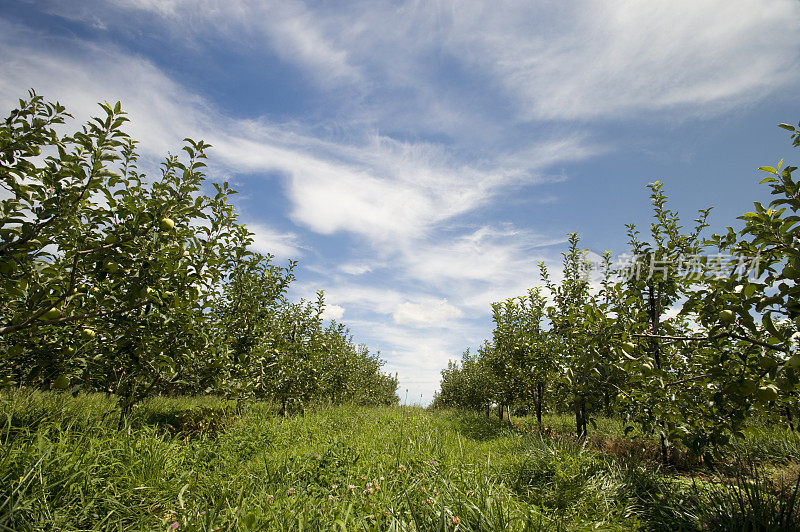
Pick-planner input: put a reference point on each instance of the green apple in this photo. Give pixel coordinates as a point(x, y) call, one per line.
point(88, 333)
point(628, 347)
point(727, 316)
point(51, 314)
point(167, 224)
point(111, 267)
point(61, 382)
point(794, 362)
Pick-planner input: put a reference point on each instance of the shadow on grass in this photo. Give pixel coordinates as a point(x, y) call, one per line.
point(480, 428)
point(187, 422)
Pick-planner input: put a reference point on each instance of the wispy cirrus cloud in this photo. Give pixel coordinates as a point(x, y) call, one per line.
point(612, 59)
point(542, 60)
point(374, 186)
point(287, 28)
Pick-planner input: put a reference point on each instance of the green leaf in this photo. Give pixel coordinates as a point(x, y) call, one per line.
point(770, 326)
point(749, 290)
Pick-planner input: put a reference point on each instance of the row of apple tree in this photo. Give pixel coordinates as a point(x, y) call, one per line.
point(111, 280)
point(688, 337)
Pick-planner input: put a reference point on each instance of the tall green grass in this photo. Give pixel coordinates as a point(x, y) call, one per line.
point(198, 464)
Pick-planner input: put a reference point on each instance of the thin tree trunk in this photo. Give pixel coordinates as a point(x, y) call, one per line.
point(583, 416)
point(539, 403)
point(655, 322)
point(123, 414)
point(664, 453)
point(789, 417)
point(500, 407)
point(578, 420)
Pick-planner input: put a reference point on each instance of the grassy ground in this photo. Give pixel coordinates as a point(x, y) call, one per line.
point(193, 464)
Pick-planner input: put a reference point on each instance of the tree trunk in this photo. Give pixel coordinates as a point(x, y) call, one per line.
point(578, 419)
point(500, 407)
point(664, 453)
point(125, 404)
point(539, 403)
point(583, 415)
point(655, 323)
point(789, 417)
point(488, 410)
point(239, 405)
point(123, 414)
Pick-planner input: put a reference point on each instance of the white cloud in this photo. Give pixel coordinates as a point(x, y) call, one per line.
point(286, 28)
point(417, 355)
point(355, 268)
point(371, 299)
point(333, 312)
point(426, 314)
point(485, 265)
point(555, 60)
point(268, 240)
point(295, 34)
point(163, 112)
point(380, 188)
point(619, 57)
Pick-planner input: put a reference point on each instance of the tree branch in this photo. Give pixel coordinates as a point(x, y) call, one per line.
point(67, 319)
point(717, 337)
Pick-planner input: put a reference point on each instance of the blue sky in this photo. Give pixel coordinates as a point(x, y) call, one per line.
point(420, 158)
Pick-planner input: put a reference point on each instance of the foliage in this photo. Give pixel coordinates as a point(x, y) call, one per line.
point(114, 281)
point(679, 343)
